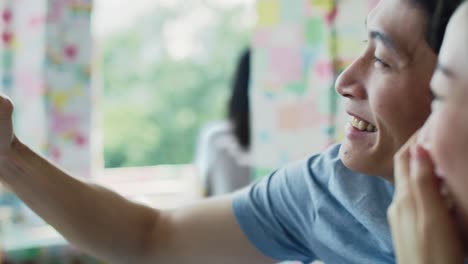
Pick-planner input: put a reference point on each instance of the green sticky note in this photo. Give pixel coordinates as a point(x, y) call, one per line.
point(7, 59)
point(314, 32)
point(328, 101)
point(298, 88)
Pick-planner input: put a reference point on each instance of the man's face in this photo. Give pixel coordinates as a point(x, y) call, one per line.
point(387, 88)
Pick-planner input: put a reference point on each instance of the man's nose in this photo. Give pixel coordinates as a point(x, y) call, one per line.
point(350, 83)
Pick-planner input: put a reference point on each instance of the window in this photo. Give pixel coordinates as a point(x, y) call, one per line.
point(165, 68)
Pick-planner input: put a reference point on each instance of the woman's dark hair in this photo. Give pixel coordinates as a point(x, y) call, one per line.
point(438, 14)
point(238, 108)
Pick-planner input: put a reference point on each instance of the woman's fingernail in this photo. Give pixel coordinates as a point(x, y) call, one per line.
point(418, 152)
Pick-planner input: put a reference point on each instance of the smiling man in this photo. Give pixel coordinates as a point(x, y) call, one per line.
point(387, 88)
point(320, 208)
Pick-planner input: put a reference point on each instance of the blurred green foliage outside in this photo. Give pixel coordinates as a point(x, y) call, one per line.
point(155, 100)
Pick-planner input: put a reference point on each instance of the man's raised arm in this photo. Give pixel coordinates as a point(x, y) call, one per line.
point(112, 228)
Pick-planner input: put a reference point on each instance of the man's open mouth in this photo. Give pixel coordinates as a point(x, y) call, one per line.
point(363, 125)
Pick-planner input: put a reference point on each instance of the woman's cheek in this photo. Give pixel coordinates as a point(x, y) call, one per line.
point(450, 151)
point(442, 137)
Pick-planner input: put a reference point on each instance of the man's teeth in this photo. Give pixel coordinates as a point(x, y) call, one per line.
point(362, 125)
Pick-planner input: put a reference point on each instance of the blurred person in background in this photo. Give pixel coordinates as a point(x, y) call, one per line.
point(222, 156)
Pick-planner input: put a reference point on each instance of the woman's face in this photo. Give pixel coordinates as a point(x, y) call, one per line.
point(446, 132)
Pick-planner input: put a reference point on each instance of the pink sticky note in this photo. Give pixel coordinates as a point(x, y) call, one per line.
point(286, 63)
point(7, 16)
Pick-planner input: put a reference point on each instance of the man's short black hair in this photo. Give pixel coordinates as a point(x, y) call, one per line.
point(438, 13)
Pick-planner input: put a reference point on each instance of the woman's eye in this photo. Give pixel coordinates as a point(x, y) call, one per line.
point(433, 96)
point(437, 100)
point(434, 104)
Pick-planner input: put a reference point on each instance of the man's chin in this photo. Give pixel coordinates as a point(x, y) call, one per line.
point(364, 163)
point(356, 166)
point(352, 161)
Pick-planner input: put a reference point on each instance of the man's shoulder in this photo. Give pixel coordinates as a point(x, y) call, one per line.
point(324, 172)
point(317, 168)
point(327, 163)
point(327, 169)
point(328, 156)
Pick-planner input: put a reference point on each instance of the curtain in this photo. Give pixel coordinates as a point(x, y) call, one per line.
point(46, 70)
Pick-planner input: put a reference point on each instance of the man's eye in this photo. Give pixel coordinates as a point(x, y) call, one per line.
point(379, 63)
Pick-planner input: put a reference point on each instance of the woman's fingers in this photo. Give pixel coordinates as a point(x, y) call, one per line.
point(402, 165)
point(437, 233)
point(422, 229)
point(402, 213)
point(402, 170)
point(426, 186)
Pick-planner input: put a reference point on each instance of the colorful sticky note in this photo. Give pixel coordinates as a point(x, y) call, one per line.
point(315, 31)
point(323, 5)
point(286, 63)
point(298, 88)
point(268, 12)
point(292, 11)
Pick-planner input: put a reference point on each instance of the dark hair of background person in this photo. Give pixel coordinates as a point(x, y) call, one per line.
point(239, 108)
point(438, 14)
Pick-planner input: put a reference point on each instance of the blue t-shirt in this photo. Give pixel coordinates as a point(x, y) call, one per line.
point(318, 209)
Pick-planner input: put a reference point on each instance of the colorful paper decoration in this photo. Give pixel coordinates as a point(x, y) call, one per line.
point(301, 46)
point(45, 69)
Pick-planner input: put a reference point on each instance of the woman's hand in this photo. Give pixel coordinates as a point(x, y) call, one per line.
point(423, 229)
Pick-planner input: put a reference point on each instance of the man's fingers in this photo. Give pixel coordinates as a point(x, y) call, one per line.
point(6, 107)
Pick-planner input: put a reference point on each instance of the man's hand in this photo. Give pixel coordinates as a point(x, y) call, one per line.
point(6, 125)
point(423, 229)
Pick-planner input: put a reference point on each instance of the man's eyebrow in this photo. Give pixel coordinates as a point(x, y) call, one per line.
point(382, 37)
point(445, 70)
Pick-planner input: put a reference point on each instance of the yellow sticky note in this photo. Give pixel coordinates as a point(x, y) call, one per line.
point(268, 12)
point(323, 5)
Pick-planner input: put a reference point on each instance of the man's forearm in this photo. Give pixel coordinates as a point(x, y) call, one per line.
point(91, 217)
